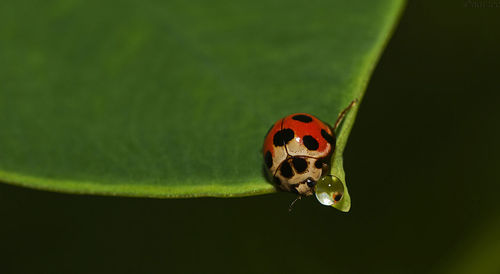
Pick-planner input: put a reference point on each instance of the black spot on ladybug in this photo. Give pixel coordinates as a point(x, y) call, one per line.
point(276, 180)
point(268, 158)
point(329, 138)
point(302, 118)
point(310, 142)
point(310, 182)
point(337, 197)
point(319, 163)
point(283, 136)
point(299, 164)
point(286, 170)
point(293, 188)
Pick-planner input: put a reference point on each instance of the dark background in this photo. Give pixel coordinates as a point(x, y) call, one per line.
point(423, 172)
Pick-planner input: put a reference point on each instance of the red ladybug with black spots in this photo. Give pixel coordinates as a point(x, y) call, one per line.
point(297, 151)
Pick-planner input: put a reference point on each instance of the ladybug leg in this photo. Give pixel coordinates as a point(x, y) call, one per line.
point(343, 114)
point(290, 208)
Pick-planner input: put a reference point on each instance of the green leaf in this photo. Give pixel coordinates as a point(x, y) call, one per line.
point(173, 98)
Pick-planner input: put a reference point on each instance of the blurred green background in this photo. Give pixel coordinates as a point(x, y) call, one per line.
point(422, 165)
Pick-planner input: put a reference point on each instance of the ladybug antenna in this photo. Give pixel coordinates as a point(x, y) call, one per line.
point(290, 208)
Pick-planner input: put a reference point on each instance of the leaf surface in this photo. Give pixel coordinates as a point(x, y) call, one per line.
point(173, 98)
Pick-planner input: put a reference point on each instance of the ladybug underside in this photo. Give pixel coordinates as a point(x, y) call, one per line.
point(297, 151)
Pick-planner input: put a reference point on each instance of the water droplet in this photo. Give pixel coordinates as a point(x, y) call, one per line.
point(329, 190)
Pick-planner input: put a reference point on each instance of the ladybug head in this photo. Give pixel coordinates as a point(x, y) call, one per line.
point(304, 188)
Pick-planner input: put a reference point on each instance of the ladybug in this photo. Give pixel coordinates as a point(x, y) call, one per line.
point(297, 151)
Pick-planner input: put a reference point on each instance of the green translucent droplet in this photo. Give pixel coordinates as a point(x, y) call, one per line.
point(329, 190)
